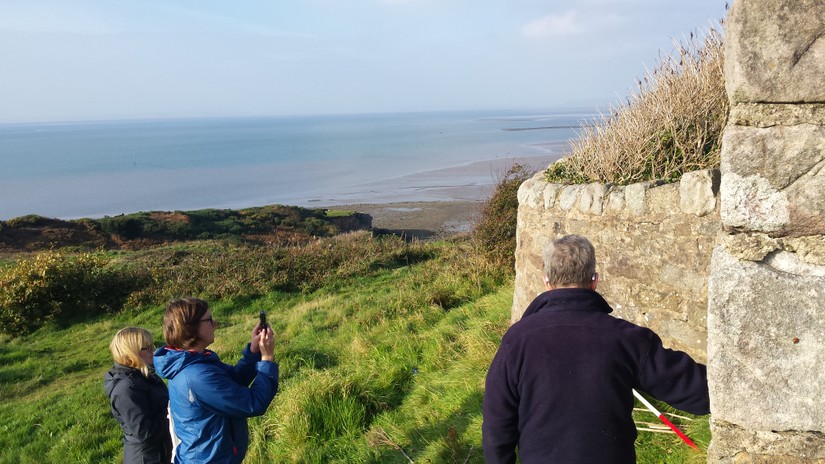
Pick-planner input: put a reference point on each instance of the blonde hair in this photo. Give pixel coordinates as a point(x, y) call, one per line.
point(126, 346)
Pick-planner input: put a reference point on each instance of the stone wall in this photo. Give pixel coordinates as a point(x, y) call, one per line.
point(766, 317)
point(653, 248)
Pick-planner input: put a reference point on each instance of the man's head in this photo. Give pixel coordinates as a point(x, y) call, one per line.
point(570, 261)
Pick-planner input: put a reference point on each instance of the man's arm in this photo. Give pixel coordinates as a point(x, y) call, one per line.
point(500, 427)
point(675, 378)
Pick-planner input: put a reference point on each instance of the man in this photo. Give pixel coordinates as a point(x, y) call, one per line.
point(559, 387)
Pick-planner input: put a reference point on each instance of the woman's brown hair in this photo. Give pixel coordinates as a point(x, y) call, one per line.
point(180, 322)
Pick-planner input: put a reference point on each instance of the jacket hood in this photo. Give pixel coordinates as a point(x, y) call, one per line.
point(169, 362)
point(568, 299)
point(117, 373)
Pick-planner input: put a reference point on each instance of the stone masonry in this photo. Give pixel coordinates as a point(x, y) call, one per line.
point(766, 312)
point(653, 248)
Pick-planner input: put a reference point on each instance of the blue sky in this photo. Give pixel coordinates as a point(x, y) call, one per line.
point(115, 59)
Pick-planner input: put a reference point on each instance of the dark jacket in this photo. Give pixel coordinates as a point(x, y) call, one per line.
point(559, 387)
point(210, 401)
point(140, 404)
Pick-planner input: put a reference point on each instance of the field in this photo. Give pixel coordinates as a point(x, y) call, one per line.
point(380, 362)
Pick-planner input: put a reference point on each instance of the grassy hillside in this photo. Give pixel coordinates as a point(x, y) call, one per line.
point(381, 365)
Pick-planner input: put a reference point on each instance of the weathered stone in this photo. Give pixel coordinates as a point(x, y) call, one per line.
point(773, 179)
point(526, 189)
point(569, 195)
point(592, 198)
point(615, 200)
point(775, 51)
point(782, 155)
point(774, 202)
point(751, 203)
point(733, 445)
point(698, 191)
point(776, 114)
point(551, 191)
point(749, 247)
point(765, 344)
point(808, 249)
point(634, 196)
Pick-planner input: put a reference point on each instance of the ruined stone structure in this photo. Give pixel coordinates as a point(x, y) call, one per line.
point(730, 265)
point(653, 247)
point(766, 312)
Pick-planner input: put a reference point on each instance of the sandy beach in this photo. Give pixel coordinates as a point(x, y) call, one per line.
point(445, 202)
point(423, 219)
point(442, 202)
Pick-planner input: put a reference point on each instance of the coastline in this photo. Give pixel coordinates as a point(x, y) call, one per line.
point(420, 219)
point(435, 204)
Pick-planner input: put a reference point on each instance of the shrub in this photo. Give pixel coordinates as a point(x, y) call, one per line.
point(672, 126)
point(53, 286)
point(495, 232)
point(30, 220)
point(221, 270)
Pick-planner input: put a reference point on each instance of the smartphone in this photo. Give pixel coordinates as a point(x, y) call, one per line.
point(264, 325)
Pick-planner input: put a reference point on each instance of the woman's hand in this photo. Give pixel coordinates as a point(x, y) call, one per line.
point(266, 343)
point(256, 338)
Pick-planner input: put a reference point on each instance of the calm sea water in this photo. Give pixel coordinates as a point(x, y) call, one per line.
point(75, 170)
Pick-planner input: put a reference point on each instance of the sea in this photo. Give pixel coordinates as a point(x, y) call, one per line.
point(106, 168)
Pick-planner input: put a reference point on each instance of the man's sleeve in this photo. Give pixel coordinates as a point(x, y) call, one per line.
point(500, 427)
point(215, 388)
point(675, 378)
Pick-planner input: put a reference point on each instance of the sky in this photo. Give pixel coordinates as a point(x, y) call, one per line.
point(70, 60)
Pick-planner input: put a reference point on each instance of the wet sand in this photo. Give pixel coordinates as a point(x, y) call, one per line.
point(443, 202)
point(423, 219)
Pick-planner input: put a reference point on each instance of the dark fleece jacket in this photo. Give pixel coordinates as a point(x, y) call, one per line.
point(139, 405)
point(559, 387)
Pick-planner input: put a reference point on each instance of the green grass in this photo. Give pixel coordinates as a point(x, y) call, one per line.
point(333, 213)
point(381, 366)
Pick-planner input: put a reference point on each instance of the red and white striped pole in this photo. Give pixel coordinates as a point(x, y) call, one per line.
point(664, 419)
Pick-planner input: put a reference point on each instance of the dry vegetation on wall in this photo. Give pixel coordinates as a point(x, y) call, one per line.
point(671, 126)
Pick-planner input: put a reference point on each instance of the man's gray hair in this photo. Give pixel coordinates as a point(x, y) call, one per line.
point(570, 261)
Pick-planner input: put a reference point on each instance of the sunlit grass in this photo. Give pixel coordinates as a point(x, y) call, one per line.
point(384, 367)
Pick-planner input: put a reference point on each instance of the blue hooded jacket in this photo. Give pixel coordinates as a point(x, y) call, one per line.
point(210, 401)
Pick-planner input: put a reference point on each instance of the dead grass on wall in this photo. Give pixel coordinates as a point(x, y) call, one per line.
point(671, 126)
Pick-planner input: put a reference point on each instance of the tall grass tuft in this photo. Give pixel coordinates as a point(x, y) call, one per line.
point(671, 126)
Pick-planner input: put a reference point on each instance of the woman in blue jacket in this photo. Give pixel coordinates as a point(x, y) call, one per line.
point(210, 400)
point(138, 398)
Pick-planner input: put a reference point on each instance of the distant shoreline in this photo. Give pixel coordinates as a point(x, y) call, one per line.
point(420, 219)
point(100, 170)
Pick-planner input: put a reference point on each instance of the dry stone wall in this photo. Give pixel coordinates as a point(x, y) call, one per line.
point(653, 248)
point(766, 312)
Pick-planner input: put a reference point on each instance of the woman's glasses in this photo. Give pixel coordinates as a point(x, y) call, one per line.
point(208, 319)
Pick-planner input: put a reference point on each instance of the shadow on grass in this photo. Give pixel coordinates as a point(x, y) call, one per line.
point(451, 432)
point(407, 235)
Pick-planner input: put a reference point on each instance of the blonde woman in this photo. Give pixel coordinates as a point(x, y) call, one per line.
point(139, 398)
